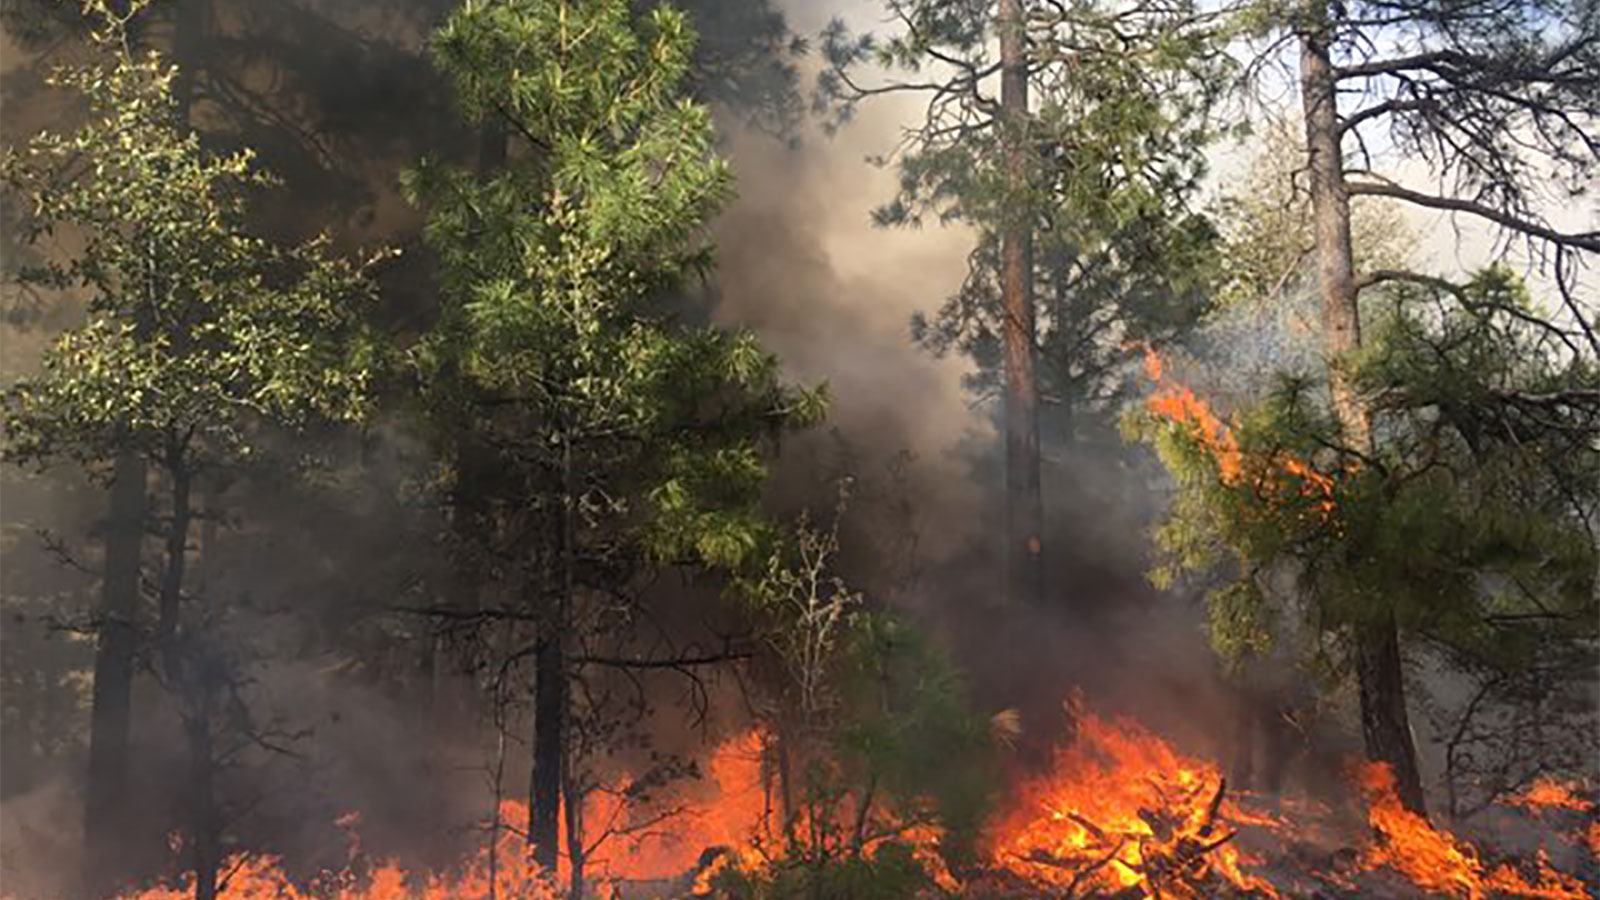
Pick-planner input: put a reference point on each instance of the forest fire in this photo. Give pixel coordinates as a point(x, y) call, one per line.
point(1122, 809)
point(1121, 814)
point(410, 405)
point(1438, 862)
point(1177, 403)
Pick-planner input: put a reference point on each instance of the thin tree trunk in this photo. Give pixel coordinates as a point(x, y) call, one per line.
point(171, 596)
point(1024, 511)
point(202, 799)
point(111, 718)
point(549, 713)
point(202, 760)
point(786, 782)
point(1386, 726)
point(550, 678)
point(187, 679)
point(573, 807)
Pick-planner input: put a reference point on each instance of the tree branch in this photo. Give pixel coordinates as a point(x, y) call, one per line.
point(1588, 240)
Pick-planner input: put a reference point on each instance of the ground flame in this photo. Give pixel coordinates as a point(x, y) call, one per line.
point(1551, 793)
point(1436, 861)
point(1121, 813)
point(1122, 809)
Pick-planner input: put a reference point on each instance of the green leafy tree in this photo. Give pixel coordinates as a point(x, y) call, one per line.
point(1075, 174)
point(198, 337)
point(622, 440)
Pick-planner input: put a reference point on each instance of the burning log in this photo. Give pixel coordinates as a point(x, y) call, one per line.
point(1213, 807)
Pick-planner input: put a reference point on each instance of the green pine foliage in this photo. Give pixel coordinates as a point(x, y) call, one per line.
point(1473, 522)
point(1123, 105)
point(913, 732)
point(551, 335)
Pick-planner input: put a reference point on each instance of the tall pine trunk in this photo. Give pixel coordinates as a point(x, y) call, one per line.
point(111, 718)
point(1385, 723)
point(1024, 510)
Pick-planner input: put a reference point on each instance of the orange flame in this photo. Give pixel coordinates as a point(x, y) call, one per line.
point(1550, 793)
point(662, 844)
point(503, 868)
point(638, 846)
point(1547, 795)
point(1437, 861)
point(1180, 405)
point(733, 813)
point(1121, 812)
point(1119, 806)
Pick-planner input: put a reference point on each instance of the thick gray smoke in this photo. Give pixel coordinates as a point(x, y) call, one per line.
point(801, 264)
point(832, 295)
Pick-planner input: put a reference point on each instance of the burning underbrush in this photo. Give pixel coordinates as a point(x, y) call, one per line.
point(1120, 815)
point(1124, 815)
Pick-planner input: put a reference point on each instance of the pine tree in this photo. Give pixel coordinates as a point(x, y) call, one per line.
point(1469, 524)
point(1496, 99)
point(621, 439)
point(1074, 172)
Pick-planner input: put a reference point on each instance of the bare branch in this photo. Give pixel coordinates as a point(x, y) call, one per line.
point(1587, 240)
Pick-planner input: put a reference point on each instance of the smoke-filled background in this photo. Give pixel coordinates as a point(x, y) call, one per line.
point(365, 708)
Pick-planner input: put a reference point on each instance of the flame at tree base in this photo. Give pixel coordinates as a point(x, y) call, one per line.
point(1122, 814)
point(1437, 861)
